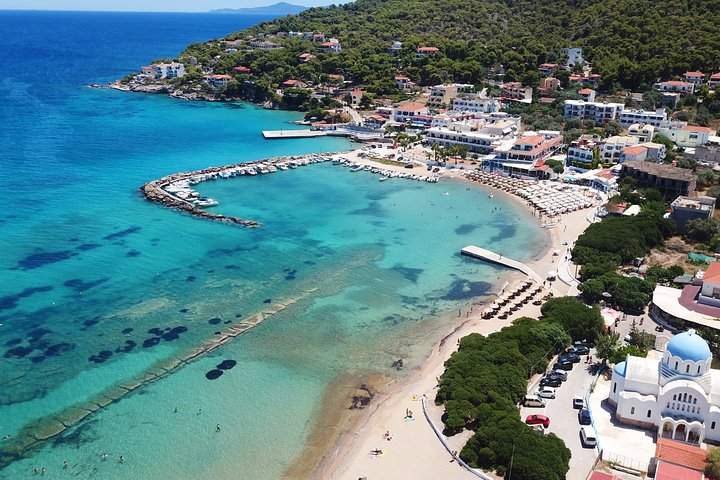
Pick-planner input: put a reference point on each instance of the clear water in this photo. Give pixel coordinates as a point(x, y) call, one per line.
point(84, 258)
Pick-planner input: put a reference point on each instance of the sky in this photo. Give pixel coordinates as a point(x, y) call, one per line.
point(148, 5)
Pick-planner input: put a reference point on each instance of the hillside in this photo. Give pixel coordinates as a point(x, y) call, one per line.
point(281, 8)
point(630, 42)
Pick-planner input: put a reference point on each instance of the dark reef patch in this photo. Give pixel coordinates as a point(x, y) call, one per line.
point(58, 349)
point(84, 247)
point(466, 228)
point(151, 342)
point(267, 300)
point(122, 233)
point(80, 285)
point(215, 320)
point(81, 435)
point(100, 357)
point(37, 260)
point(374, 209)
point(127, 330)
point(13, 342)
point(126, 347)
point(184, 310)
point(408, 273)
point(10, 301)
point(190, 278)
point(214, 374)
point(226, 364)
point(132, 253)
point(18, 352)
point(506, 231)
point(462, 289)
point(90, 322)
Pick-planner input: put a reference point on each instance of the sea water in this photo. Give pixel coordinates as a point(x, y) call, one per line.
point(92, 276)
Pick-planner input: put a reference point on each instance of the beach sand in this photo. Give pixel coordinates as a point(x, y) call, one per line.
point(414, 451)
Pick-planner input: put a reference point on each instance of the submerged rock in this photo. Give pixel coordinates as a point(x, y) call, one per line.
point(226, 364)
point(214, 374)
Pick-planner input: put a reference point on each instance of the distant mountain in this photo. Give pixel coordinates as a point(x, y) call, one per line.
point(281, 8)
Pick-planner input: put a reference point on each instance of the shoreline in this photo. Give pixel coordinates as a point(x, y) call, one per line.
point(421, 454)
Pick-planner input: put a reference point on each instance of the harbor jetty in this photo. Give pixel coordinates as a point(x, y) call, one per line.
point(492, 257)
point(176, 190)
point(304, 133)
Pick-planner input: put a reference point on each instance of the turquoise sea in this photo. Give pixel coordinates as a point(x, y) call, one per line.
point(97, 285)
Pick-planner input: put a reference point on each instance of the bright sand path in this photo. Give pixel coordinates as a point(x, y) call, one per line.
point(414, 451)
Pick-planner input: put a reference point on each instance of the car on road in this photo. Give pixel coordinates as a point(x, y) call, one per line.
point(659, 329)
point(550, 382)
point(584, 416)
point(580, 350)
point(538, 420)
point(563, 365)
point(587, 436)
point(578, 401)
point(562, 374)
point(409, 165)
point(570, 357)
point(545, 392)
point(533, 401)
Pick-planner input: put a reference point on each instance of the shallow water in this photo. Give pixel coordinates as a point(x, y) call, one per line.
point(85, 259)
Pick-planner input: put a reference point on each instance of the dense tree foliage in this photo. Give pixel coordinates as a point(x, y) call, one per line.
point(630, 43)
point(487, 377)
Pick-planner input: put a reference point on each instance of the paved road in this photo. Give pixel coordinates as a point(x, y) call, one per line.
point(564, 422)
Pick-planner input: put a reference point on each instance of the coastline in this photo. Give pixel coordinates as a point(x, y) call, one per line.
point(414, 450)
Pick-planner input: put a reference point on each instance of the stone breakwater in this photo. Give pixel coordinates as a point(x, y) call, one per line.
point(175, 191)
point(33, 435)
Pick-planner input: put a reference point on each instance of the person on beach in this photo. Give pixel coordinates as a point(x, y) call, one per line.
point(217, 428)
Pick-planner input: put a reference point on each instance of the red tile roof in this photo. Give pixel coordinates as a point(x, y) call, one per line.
point(712, 274)
point(715, 76)
point(530, 140)
point(668, 471)
point(602, 476)
point(690, 456)
point(676, 83)
point(698, 129)
point(694, 74)
point(634, 150)
point(411, 106)
point(428, 49)
point(585, 91)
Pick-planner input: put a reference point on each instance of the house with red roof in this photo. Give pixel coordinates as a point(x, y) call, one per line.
point(293, 83)
point(527, 154)
point(714, 81)
point(678, 461)
point(517, 92)
point(548, 69)
point(306, 57)
point(242, 69)
point(675, 86)
point(406, 112)
point(587, 94)
point(422, 52)
point(331, 46)
point(696, 78)
point(403, 82)
point(218, 80)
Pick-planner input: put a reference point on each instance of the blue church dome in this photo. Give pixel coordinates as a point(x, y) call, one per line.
point(689, 346)
point(620, 368)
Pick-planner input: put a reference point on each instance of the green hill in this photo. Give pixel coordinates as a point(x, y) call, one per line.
point(630, 42)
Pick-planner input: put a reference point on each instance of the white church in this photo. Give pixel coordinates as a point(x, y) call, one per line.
point(679, 395)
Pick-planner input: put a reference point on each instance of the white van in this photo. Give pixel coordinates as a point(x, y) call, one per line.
point(587, 435)
point(533, 401)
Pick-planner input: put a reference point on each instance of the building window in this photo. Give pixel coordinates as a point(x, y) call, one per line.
point(687, 368)
point(712, 426)
point(694, 401)
point(614, 387)
point(684, 397)
point(632, 411)
point(649, 412)
point(676, 364)
point(674, 398)
point(668, 405)
point(698, 369)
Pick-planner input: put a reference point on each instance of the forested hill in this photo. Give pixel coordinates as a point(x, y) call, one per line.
point(630, 42)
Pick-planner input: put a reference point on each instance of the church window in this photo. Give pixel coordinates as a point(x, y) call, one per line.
point(712, 426)
point(694, 401)
point(614, 387)
point(632, 411)
point(676, 364)
point(649, 412)
point(687, 368)
point(698, 368)
point(674, 398)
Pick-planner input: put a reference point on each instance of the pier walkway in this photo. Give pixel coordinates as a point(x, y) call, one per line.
point(492, 257)
point(281, 134)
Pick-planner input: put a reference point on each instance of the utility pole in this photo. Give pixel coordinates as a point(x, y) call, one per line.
point(512, 456)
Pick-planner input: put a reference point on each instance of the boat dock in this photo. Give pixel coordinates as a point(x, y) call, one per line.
point(492, 257)
point(284, 134)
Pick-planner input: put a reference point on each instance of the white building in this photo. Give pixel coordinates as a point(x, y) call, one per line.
point(675, 86)
point(161, 71)
point(574, 56)
point(642, 131)
point(480, 135)
point(475, 103)
point(684, 135)
point(611, 149)
point(678, 395)
point(654, 118)
point(596, 111)
point(443, 95)
point(407, 111)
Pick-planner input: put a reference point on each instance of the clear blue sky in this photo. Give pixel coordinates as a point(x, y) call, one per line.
point(149, 5)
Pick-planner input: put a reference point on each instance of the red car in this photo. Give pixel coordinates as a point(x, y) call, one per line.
point(538, 420)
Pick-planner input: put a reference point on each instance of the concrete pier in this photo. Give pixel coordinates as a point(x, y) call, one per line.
point(492, 257)
point(283, 134)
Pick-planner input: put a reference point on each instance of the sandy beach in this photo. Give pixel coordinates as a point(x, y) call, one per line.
point(414, 451)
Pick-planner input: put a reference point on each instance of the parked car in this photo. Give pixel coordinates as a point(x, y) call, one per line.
point(580, 350)
point(538, 420)
point(545, 392)
point(560, 373)
point(570, 357)
point(409, 165)
point(584, 417)
point(659, 329)
point(533, 401)
point(578, 401)
point(550, 382)
point(563, 365)
point(588, 437)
